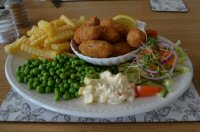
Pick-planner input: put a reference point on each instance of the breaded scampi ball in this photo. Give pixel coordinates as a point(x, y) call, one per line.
point(93, 21)
point(96, 48)
point(87, 32)
point(122, 30)
point(121, 48)
point(109, 34)
point(136, 37)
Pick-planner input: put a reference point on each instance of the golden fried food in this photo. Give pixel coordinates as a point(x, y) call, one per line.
point(121, 48)
point(109, 34)
point(123, 30)
point(136, 37)
point(94, 21)
point(96, 48)
point(58, 38)
point(87, 32)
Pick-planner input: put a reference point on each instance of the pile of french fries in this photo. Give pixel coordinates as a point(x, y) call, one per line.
point(47, 39)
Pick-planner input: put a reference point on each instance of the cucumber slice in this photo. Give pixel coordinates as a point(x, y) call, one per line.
point(168, 84)
point(163, 93)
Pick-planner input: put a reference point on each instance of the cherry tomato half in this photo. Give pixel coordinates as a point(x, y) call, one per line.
point(152, 33)
point(146, 90)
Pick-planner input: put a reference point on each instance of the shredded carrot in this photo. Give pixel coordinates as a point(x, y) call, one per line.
point(171, 61)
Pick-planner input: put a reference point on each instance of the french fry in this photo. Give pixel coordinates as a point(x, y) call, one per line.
point(63, 28)
point(35, 30)
point(16, 46)
point(39, 52)
point(68, 21)
point(58, 38)
point(61, 47)
point(57, 23)
point(80, 21)
point(46, 26)
point(38, 41)
point(37, 35)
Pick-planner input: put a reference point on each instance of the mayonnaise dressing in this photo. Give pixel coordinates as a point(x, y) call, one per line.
point(111, 89)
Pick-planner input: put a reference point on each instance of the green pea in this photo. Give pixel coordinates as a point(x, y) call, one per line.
point(66, 85)
point(58, 72)
point(20, 79)
point(63, 89)
point(78, 74)
point(61, 60)
point(36, 79)
point(58, 92)
point(68, 74)
point(43, 72)
point(44, 78)
point(71, 59)
point(57, 97)
point(82, 62)
point(73, 76)
point(40, 89)
point(59, 66)
point(27, 71)
point(63, 70)
point(46, 74)
point(77, 94)
point(82, 78)
point(70, 81)
point(58, 80)
point(48, 89)
point(81, 82)
point(52, 73)
point(45, 61)
point(72, 90)
point(68, 67)
point(71, 70)
point(35, 71)
point(87, 69)
point(41, 67)
point(40, 76)
point(83, 73)
point(54, 63)
point(50, 83)
point(65, 81)
point(36, 63)
point(63, 76)
point(50, 79)
point(49, 65)
point(66, 96)
point(35, 84)
point(61, 85)
point(73, 65)
point(44, 83)
point(30, 84)
point(80, 69)
point(76, 69)
point(76, 85)
point(31, 80)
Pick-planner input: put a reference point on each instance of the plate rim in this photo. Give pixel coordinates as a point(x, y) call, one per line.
point(93, 114)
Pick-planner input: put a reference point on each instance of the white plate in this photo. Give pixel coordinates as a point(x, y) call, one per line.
point(76, 106)
point(111, 60)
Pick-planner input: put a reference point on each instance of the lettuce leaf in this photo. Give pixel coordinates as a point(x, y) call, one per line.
point(180, 52)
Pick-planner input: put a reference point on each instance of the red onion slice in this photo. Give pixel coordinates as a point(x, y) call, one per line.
point(167, 58)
